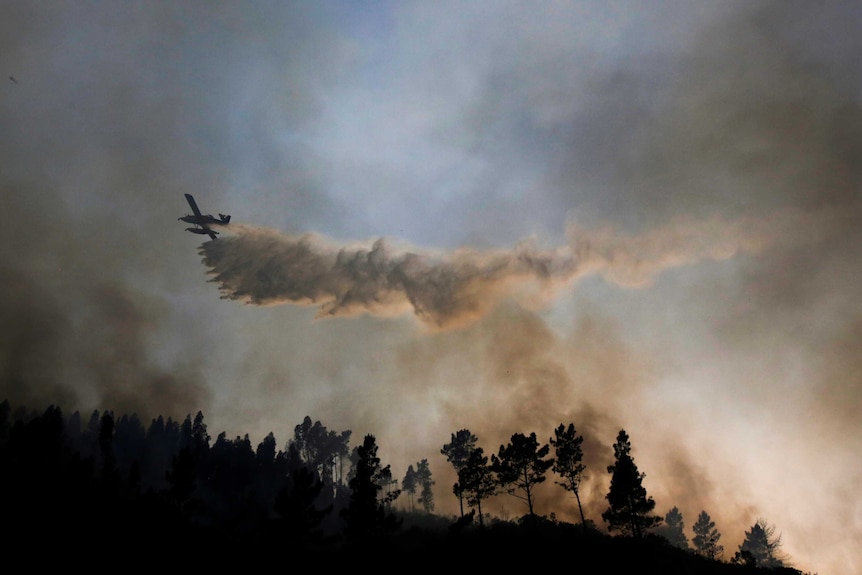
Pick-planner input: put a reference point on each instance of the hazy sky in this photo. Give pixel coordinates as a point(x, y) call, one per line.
point(491, 215)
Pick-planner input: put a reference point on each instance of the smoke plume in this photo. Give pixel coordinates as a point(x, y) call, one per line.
point(264, 267)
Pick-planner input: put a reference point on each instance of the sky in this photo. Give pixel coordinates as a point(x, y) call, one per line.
point(493, 215)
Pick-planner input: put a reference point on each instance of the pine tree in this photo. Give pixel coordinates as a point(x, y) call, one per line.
point(762, 546)
point(423, 475)
point(321, 449)
point(477, 481)
point(200, 437)
point(567, 445)
point(630, 508)
point(457, 453)
point(295, 504)
point(366, 516)
point(521, 466)
point(674, 529)
point(409, 484)
point(110, 475)
point(181, 476)
point(706, 537)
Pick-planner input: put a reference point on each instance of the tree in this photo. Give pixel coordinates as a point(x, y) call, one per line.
point(409, 484)
point(295, 504)
point(321, 448)
point(476, 480)
point(6, 420)
point(567, 446)
point(629, 508)
point(365, 515)
point(181, 476)
point(129, 443)
point(200, 437)
point(269, 473)
point(110, 476)
point(674, 529)
point(706, 537)
point(384, 478)
point(521, 466)
point(457, 453)
point(229, 486)
point(423, 476)
point(761, 546)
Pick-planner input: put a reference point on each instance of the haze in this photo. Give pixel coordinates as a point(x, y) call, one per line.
point(499, 216)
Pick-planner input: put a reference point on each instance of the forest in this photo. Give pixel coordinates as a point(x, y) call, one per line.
point(112, 487)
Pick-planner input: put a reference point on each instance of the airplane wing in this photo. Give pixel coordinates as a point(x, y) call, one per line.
point(213, 235)
point(193, 205)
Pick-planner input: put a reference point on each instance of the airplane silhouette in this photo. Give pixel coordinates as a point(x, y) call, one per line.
point(203, 222)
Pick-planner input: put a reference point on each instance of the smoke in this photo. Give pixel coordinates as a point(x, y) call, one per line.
point(89, 346)
point(97, 146)
point(264, 267)
point(720, 143)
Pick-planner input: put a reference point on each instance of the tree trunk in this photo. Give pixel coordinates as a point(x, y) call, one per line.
point(581, 509)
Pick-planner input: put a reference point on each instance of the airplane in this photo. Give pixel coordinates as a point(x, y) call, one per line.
point(203, 222)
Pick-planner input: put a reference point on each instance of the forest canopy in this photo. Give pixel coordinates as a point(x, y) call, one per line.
point(169, 482)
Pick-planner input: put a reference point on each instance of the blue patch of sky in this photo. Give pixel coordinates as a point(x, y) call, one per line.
point(370, 24)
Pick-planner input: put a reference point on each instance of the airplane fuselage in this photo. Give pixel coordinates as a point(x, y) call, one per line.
point(203, 221)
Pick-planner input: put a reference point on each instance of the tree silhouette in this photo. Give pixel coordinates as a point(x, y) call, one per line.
point(386, 481)
point(245, 500)
point(745, 558)
point(409, 484)
point(322, 450)
point(231, 482)
point(129, 444)
point(44, 480)
point(423, 475)
point(567, 464)
point(629, 509)
point(706, 537)
point(110, 474)
point(161, 447)
point(271, 469)
point(181, 476)
point(521, 466)
point(674, 529)
point(265, 452)
point(200, 438)
point(365, 515)
point(477, 481)
point(420, 477)
point(295, 504)
point(457, 452)
point(762, 545)
point(5, 420)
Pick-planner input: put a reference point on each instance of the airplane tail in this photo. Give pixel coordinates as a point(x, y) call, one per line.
point(224, 219)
